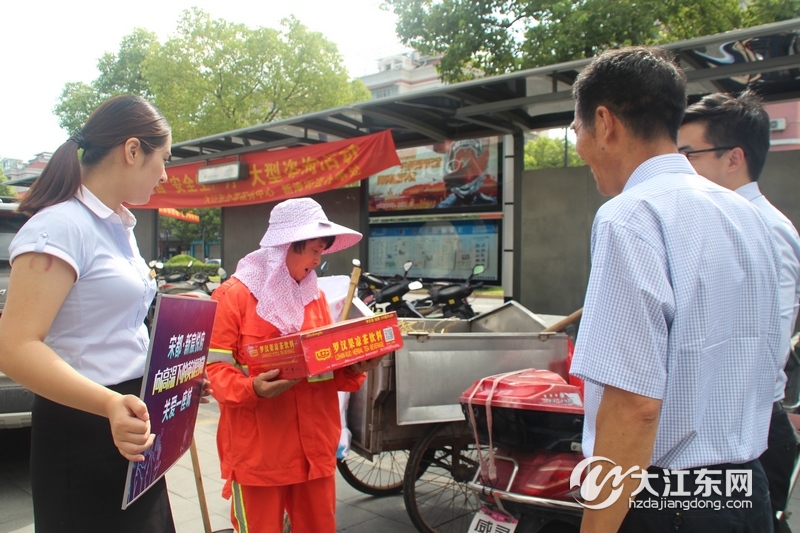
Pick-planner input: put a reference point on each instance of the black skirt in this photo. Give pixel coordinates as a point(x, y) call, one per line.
point(78, 475)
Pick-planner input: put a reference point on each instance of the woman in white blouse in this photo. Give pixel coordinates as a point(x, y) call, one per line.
point(72, 330)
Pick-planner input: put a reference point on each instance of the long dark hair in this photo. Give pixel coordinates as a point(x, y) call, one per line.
point(115, 121)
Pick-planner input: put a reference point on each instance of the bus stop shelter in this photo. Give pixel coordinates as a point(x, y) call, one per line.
point(506, 106)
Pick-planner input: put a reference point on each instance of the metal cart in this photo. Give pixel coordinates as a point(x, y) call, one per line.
point(409, 433)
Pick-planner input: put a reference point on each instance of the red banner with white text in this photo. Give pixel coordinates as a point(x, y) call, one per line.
point(279, 174)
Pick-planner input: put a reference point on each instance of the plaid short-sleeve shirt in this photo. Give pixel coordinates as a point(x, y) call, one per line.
point(682, 306)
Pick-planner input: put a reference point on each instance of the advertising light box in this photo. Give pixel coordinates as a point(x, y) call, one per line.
point(439, 249)
point(447, 177)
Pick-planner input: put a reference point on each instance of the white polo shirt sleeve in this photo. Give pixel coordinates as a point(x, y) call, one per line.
point(53, 232)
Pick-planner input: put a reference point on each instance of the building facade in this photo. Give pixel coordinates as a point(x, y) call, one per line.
point(402, 73)
point(16, 168)
point(784, 126)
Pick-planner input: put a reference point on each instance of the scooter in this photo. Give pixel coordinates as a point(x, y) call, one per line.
point(367, 285)
point(452, 299)
point(157, 272)
point(532, 423)
point(376, 291)
point(181, 283)
point(197, 286)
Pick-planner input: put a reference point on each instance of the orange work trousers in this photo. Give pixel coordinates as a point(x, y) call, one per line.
point(311, 507)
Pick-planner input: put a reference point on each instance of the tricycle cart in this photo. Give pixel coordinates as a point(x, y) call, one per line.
point(408, 430)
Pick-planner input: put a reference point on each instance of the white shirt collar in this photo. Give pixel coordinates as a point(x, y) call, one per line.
point(750, 191)
point(122, 216)
point(661, 164)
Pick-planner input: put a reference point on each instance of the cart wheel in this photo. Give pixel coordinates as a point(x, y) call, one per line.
point(382, 476)
point(435, 483)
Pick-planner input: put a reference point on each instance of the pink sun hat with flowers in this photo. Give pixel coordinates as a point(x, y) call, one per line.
point(301, 219)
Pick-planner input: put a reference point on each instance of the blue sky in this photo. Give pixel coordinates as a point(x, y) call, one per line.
point(46, 44)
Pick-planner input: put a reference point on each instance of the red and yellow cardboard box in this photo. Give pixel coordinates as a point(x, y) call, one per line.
point(316, 351)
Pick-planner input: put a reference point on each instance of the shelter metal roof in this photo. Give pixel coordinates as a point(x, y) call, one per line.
point(766, 58)
point(763, 57)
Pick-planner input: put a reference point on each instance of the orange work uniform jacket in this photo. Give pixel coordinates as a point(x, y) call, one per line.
point(271, 441)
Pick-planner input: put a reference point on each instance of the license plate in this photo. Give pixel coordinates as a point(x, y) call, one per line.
point(490, 521)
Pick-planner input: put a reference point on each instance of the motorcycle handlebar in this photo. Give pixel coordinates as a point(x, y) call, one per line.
point(373, 281)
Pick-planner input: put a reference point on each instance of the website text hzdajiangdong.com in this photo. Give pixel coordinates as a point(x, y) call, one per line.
point(685, 505)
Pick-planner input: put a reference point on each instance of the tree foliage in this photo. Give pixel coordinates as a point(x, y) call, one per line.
point(208, 230)
point(547, 152)
point(120, 73)
point(488, 37)
point(5, 190)
point(214, 76)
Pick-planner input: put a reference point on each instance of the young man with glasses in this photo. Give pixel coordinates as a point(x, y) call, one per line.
point(726, 139)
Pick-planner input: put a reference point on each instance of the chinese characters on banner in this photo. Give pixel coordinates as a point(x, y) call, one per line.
point(171, 386)
point(280, 174)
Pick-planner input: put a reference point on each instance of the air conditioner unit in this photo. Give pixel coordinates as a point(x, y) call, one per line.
point(777, 124)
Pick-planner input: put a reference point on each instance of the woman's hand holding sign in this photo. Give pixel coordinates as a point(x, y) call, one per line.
point(130, 426)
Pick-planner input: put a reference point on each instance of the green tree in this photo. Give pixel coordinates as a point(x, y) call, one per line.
point(214, 76)
point(764, 11)
point(5, 190)
point(208, 230)
point(119, 73)
point(547, 152)
point(487, 37)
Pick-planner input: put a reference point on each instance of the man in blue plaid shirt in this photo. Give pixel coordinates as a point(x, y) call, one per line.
point(679, 340)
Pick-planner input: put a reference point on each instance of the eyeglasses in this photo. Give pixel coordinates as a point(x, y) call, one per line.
point(689, 153)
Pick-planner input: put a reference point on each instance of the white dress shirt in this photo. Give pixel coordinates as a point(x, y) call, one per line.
point(788, 243)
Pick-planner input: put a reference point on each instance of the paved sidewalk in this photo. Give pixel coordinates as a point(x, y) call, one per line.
point(355, 512)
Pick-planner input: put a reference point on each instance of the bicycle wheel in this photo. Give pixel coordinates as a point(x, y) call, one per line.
point(382, 476)
point(435, 488)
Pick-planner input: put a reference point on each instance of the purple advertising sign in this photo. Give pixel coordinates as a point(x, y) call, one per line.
point(173, 377)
